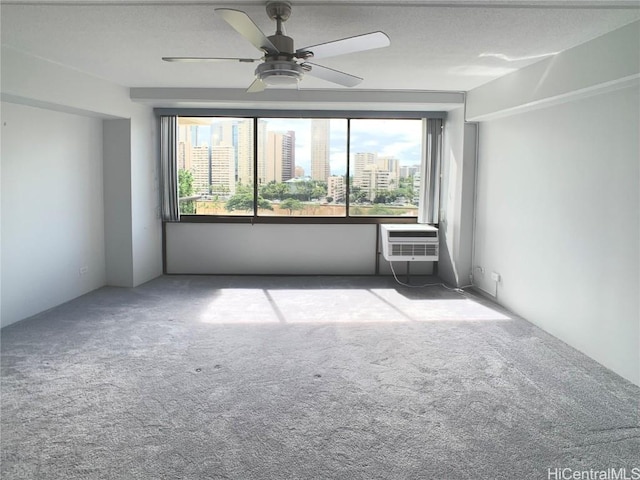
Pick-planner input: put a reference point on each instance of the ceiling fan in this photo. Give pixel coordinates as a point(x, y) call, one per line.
point(281, 64)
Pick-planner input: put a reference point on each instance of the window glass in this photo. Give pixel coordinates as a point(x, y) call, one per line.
point(384, 167)
point(302, 164)
point(215, 165)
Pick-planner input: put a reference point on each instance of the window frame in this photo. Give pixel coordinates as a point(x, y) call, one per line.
point(255, 115)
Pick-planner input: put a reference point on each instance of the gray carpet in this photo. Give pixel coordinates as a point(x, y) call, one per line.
point(302, 378)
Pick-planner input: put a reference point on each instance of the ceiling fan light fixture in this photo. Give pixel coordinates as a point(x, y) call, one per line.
point(280, 73)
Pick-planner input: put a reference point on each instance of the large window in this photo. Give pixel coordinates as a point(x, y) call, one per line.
point(385, 167)
point(302, 163)
point(215, 165)
point(299, 167)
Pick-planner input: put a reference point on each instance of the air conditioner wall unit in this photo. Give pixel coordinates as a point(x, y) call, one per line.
point(409, 243)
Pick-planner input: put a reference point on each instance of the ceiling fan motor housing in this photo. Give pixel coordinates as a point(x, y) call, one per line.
point(283, 43)
point(280, 72)
point(279, 10)
point(280, 68)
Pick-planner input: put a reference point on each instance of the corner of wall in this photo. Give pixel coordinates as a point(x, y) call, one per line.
point(562, 77)
point(457, 199)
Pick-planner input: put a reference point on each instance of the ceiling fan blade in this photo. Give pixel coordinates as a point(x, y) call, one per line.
point(243, 24)
point(359, 43)
point(210, 59)
point(331, 75)
point(257, 86)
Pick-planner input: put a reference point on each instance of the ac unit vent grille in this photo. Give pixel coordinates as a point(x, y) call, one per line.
point(406, 234)
point(414, 250)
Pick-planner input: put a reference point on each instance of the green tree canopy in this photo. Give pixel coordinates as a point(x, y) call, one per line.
point(185, 189)
point(275, 191)
point(244, 201)
point(385, 196)
point(291, 204)
point(357, 195)
point(382, 210)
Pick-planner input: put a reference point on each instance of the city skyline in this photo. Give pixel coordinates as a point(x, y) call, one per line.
point(400, 139)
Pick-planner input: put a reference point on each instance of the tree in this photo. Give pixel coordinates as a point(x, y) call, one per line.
point(319, 190)
point(385, 196)
point(358, 195)
point(382, 210)
point(291, 204)
point(244, 201)
point(240, 201)
point(405, 189)
point(264, 204)
point(275, 191)
point(305, 190)
point(185, 189)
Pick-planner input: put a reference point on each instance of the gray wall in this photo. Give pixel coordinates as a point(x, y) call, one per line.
point(557, 218)
point(124, 230)
point(117, 197)
point(558, 196)
point(456, 199)
point(53, 245)
point(277, 249)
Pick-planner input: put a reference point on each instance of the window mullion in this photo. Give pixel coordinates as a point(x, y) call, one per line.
point(255, 166)
point(347, 188)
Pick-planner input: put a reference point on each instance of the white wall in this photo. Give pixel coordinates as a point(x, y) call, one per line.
point(271, 249)
point(52, 209)
point(457, 197)
point(277, 249)
point(557, 195)
point(117, 198)
point(133, 240)
point(34, 81)
point(608, 62)
point(557, 217)
point(133, 228)
point(146, 228)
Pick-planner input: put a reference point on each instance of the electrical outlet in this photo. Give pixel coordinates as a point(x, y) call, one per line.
point(495, 277)
point(84, 270)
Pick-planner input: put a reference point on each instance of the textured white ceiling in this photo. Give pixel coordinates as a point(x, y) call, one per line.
point(455, 45)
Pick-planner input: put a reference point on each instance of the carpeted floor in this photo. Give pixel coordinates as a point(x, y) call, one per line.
point(302, 378)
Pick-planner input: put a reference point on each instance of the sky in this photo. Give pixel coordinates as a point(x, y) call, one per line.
point(401, 139)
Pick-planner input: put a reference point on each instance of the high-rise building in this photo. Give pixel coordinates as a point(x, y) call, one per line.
point(320, 143)
point(280, 157)
point(184, 147)
point(407, 171)
point(244, 151)
point(200, 167)
point(225, 133)
point(336, 188)
point(222, 133)
point(200, 135)
point(360, 161)
point(416, 188)
point(299, 171)
point(374, 180)
point(223, 170)
point(391, 165)
point(289, 156)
